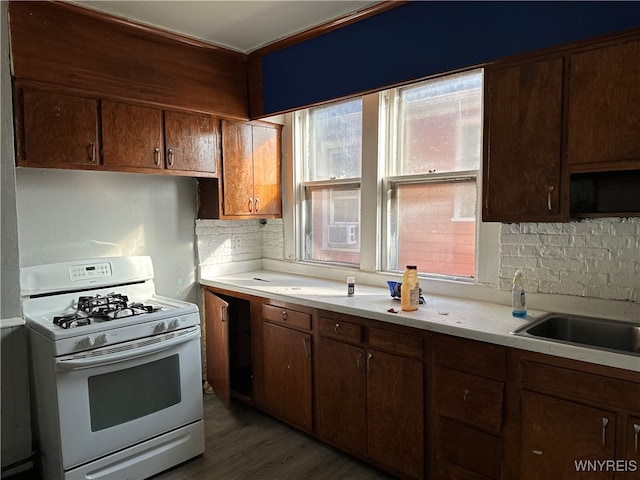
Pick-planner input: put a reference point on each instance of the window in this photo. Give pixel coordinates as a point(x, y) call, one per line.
point(421, 178)
point(330, 151)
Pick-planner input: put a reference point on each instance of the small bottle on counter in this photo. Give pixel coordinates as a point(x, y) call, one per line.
point(351, 286)
point(518, 300)
point(410, 289)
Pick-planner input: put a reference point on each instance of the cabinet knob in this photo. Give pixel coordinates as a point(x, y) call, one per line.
point(284, 315)
point(170, 157)
point(156, 155)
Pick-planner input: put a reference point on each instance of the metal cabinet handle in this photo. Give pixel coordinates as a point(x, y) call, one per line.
point(92, 151)
point(550, 189)
point(170, 157)
point(605, 421)
point(369, 357)
point(358, 360)
point(306, 350)
point(156, 155)
point(537, 452)
point(636, 431)
point(284, 315)
point(335, 329)
point(466, 394)
point(257, 204)
point(224, 313)
point(250, 204)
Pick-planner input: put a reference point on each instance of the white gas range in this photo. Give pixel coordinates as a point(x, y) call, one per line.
point(116, 370)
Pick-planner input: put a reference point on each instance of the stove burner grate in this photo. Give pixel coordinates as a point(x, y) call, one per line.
point(102, 308)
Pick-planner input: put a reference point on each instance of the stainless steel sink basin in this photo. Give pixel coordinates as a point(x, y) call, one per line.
point(622, 337)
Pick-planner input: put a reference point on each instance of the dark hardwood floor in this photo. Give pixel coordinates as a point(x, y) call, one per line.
point(242, 443)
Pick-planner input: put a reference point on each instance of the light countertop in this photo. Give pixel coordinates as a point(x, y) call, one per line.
point(484, 321)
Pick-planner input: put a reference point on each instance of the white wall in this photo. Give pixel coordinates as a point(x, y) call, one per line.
point(72, 214)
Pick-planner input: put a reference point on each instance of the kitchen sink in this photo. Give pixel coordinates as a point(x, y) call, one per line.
point(622, 337)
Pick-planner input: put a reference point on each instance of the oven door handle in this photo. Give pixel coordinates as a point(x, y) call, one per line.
point(75, 363)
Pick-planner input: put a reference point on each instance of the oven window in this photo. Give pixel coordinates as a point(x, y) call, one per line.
point(125, 395)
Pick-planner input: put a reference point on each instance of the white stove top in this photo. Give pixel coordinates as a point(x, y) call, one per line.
point(53, 290)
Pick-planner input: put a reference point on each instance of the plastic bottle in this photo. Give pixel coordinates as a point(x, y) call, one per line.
point(410, 289)
point(518, 300)
point(351, 286)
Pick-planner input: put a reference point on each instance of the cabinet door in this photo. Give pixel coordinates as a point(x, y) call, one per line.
point(558, 438)
point(132, 136)
point(266, 170)
point(217, 345)
point(341, 401)
point(59, 129)
point(523, 143)
point(190, 141)
point(395, 412)
point(287, 374)
point(237, 168)
point(604, 108)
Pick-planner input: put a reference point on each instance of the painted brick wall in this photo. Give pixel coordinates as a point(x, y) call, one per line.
point(228, 241)
point(597, 258)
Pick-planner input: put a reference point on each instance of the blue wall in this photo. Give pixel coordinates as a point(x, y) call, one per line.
point(424, 38)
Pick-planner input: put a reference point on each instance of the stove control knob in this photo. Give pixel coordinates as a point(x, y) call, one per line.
point(103, 339)
point(161, 327)
point(88, 342)
point(175, 323)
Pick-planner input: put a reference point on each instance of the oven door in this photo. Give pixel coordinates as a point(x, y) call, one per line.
point(114, 397)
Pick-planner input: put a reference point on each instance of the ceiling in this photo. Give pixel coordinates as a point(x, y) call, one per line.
point(240, 25)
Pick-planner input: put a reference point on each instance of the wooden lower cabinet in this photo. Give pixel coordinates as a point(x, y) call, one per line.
point(370, 402)
point(341, 395)
point(287, 374)
point(395, 412)
point(559, 438)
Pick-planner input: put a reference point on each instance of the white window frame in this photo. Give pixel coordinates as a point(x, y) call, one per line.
point(373, 191)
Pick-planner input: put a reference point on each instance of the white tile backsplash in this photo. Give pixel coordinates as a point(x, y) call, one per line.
point(593, 258)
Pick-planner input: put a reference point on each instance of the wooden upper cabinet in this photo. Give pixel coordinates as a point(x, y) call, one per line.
point(604, 108)
point(251, 162)
point(146, 139)
point(266, 170)
point(237, 160)
point(191, 142)
point(523, 142)
point(132, 136)
point(56, 130)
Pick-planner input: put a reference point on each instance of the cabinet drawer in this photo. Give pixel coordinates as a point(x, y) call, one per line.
point(401, 343)
point(468, 398)
point(286, 316)
point(340, 330)
point(470, 356)
point(470, 448)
